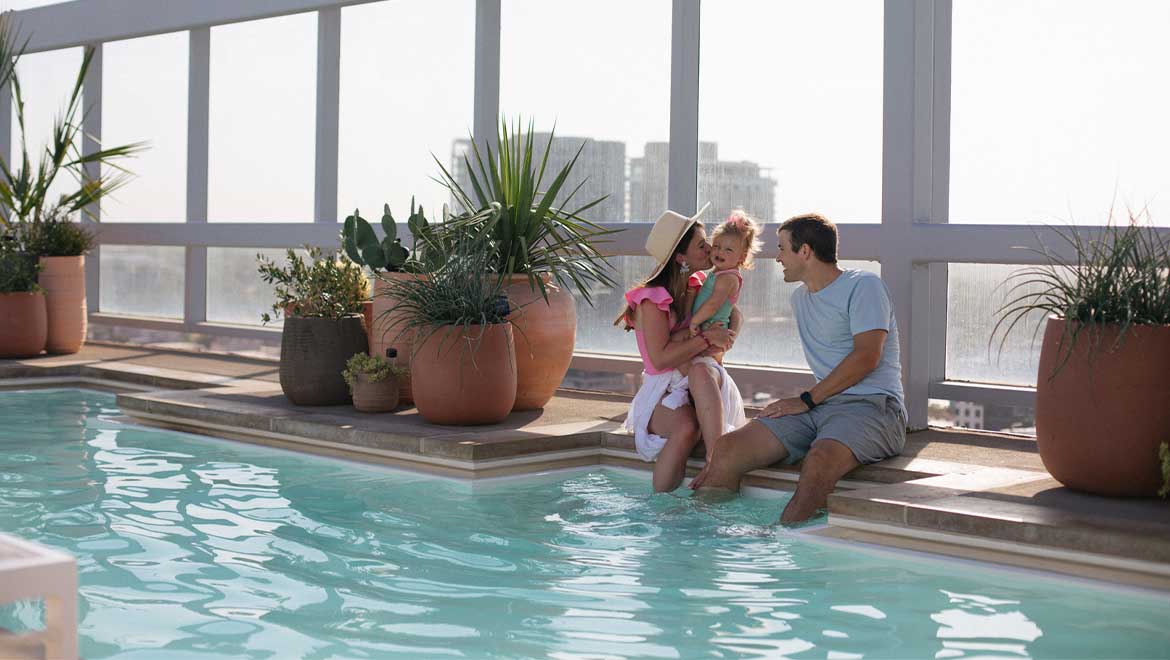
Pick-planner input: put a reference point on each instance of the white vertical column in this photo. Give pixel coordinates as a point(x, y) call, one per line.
point(198, 132)
point(91, 126)
point(940, 166)
point(328, 111)
point(486, 111)
point(683, 171)
point(902, 153)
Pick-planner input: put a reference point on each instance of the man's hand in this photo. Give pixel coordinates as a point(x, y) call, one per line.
point(782, 407)
point(697, 481)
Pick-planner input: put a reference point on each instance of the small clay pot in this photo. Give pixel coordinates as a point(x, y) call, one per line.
point(381, 396)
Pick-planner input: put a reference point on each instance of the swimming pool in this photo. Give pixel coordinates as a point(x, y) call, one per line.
point(195, 547)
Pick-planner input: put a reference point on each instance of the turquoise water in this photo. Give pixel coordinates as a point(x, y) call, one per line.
point(201, 548)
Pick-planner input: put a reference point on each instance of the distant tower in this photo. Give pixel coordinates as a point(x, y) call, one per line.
point(601, 165)
point(726, 184)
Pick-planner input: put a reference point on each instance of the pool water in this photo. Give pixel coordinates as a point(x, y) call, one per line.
point(203, 548)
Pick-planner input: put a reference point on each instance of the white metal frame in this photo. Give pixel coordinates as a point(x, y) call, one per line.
point(914, 241)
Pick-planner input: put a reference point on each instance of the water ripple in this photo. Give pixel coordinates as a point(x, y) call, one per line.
point(190, 547)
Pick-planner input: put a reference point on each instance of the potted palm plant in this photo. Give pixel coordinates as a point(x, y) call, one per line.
point(544, 247)
point(463, 367)
point(40, 223)
point(1103, 387)
point(321, 298)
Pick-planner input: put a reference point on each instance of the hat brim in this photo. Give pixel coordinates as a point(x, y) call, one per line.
point(686, 228)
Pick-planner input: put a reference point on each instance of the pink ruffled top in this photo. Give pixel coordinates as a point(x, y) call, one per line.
point(661, 299)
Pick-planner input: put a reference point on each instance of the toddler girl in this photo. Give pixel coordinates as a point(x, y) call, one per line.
point(733, 245)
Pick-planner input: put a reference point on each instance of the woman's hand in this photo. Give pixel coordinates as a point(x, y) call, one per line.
point(720, 338)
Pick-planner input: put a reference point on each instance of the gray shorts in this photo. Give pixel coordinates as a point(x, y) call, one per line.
point(872, 426)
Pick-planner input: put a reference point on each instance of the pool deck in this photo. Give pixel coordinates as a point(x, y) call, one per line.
point(978, 495)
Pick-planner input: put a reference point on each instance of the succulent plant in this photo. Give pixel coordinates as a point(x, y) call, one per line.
point(362, 245)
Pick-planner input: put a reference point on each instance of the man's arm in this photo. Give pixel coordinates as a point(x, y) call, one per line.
point(864, 358)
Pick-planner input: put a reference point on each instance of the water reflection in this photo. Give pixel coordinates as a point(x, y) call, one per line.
point(187, 545)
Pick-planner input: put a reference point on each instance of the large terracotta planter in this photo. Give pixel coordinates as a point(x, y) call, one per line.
point(383, 337)
point(23, 324)
point(313, 353)
point(545, 334)
point(381, 396)
point(63, 280)
point(1100, 419)
point(465, 378)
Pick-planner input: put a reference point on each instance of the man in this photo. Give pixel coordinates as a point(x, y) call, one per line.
point(855, 413)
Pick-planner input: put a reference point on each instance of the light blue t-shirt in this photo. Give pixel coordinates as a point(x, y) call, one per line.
point(856, 302)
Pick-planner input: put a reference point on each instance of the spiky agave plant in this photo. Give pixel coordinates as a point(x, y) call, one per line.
point(538, 232)
point(466, 291)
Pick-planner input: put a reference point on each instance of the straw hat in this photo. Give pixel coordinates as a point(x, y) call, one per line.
point(666, 234)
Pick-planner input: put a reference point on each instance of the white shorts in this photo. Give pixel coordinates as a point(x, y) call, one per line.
point(672, 390)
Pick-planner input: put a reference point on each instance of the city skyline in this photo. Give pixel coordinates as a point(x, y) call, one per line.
point(1037, 134)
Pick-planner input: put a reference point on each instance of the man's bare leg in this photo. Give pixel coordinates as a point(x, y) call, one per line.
point(739, 452)
point(827, 461)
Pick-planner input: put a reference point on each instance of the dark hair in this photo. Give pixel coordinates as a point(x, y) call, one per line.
point(670, 278)
point(815, 231)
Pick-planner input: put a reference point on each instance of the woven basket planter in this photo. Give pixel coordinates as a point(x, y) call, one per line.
point(313, 353)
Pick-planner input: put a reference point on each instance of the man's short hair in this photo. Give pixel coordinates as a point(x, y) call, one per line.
point(815, 231)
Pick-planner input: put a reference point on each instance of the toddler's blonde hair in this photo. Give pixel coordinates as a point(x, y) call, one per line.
point(747, 229)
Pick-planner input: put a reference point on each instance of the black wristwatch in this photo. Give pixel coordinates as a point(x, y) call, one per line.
point(807, 398)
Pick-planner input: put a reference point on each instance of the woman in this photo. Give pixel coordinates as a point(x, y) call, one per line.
point(666, 426)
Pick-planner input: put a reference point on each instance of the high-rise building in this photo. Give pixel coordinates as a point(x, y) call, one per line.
point(601, 166)
point(726, 184)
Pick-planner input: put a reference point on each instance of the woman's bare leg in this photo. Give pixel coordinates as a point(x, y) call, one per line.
point(704, 385)
point(681, 431)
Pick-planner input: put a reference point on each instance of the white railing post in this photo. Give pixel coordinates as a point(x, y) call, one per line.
point(907, 150)
point(328, 108)
point(91, 126)
point(940, 186)
point(198, 129)
point(682, 180)
point(485, 114)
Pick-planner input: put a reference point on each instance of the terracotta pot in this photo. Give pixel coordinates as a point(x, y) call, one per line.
point(545, 334)
point(382, 337)
point(63, 280)
point(1101, 418)
point(465, 378)
point(381, 396)
point(368, 323)
point(313, 353)
point(24, 324)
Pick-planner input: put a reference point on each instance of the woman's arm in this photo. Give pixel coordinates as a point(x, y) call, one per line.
point(665, 354)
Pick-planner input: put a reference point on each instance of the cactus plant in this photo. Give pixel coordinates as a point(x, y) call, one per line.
point(362, 245)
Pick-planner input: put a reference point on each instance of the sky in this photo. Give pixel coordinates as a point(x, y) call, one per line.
point(1056, 104)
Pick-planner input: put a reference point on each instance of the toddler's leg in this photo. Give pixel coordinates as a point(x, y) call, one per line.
point(684, 368)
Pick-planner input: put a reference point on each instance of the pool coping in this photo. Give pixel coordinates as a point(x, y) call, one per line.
point(907, 502)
